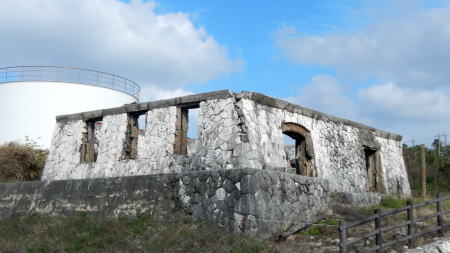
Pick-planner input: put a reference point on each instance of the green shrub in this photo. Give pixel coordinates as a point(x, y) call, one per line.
point(320, 227)
point(21, 162)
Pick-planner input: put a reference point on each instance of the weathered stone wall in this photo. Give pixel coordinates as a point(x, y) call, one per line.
point(393, 167)
point(217, 136)
point(234, 131)
point(212, 150)
point(159, 135)
point(256, 202)
point(338, 149)
point(263, 144)
point(65, 150)
point(153, 149)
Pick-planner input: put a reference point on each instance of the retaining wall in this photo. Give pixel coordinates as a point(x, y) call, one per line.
point(256, 202)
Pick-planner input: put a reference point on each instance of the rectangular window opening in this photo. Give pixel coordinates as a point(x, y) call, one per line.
point(186, 132)
point(90, 141)
point(135, 127)
point(193, 131)
point(142, 122)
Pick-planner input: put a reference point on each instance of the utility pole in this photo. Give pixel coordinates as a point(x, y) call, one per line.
point(439, 162)
point(423, 171)
point(439, 144)
point(445, 143)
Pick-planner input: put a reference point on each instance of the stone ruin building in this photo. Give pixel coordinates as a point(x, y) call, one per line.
point(237, 172)
point(235, 130)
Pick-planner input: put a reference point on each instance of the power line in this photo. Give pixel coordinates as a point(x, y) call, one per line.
point(439, 136)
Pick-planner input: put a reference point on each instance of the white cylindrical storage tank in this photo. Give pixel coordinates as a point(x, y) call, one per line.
point(32, 96)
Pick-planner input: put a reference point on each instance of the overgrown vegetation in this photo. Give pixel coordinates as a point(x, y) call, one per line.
point(21, 162)
point(438, 167)
point(86, 233)
point(321, 228)
point(391, 202)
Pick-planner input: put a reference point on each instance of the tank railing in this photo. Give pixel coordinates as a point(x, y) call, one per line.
point(69, 75)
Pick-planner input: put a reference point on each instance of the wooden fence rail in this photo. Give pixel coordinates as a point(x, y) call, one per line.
point(410, 223)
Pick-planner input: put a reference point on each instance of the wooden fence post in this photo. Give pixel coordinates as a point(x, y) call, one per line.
point(342, 237)
point(440, 220)
point(410, 217)
point(378, 236)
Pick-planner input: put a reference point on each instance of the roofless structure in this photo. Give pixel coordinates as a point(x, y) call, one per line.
point(237, 172)
point(234, 130)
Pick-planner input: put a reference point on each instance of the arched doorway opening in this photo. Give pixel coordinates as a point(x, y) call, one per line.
point(303, 161)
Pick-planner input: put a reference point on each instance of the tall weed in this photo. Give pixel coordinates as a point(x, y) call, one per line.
point(21, 162)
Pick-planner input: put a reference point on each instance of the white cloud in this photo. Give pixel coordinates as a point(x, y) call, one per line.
point(326, 94)
point(416, 114)
point(130, 39)
point(404, 51)
point(409, 49)
point(404, 103)
point(150, 93)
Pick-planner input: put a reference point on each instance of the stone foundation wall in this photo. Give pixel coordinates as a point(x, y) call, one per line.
point(256, 202)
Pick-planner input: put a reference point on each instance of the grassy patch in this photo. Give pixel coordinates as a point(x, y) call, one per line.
point(85, 233)
point(321, 227)
point(392, 202)
point(387, 202)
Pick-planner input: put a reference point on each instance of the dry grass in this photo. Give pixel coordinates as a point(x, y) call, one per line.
point(86, 233)
point(21, 162)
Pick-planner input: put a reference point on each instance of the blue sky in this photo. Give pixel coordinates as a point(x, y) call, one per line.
point(249, 30)
point(383, 63)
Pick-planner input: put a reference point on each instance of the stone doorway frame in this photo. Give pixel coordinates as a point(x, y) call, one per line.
point(304, 149)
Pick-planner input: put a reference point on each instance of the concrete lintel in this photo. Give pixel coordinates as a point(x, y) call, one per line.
point(191, 100)
point(92, 115)
point(129, 108)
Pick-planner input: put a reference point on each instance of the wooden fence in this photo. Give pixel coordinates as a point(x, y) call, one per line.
point(410, 223)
